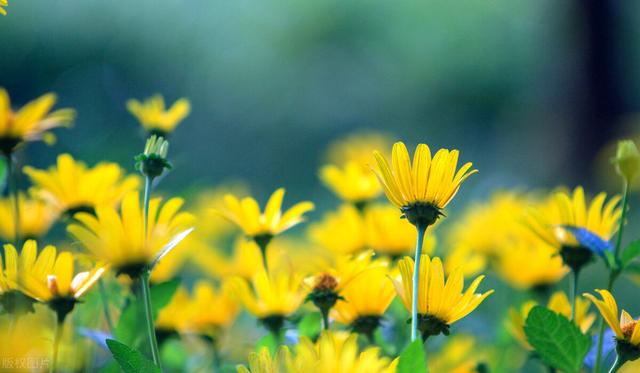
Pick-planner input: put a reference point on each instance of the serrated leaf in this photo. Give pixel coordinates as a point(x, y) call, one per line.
point(413, 358)
point(630, 253)
point(557, 341)
point(309, 326)
point(130, 360)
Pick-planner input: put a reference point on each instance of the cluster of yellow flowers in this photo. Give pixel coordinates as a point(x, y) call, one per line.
point(349, 274)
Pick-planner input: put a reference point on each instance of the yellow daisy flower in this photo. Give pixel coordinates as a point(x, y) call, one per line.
point(388, 235)
point(36, 217)
point(440, 304)
point(358, 148)
point(13, 297)
point(211, 309)
point(552, 222)
point(3, 3)
point(422, 189)
point(72, 187)
point(271, 297)
point(32, 122)
point(559, 303)
point(263, 226)
point(153, 116)
point(627, 330)
point(118, 239)
point(366, 298)
point(352, 183)
point(263, 362)
point(341, 231)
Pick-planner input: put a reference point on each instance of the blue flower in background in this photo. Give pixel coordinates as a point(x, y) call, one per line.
point(590, 240)
point(608, 347)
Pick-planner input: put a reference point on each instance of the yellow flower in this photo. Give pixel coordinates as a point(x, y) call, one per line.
point(272, 297)
point(626, 329)
point(627, 160)
point(341, 232)
point(3, 3)
point(558, 303)
point(211, 309)
point(173, 317)
point(425, 187)
point(36, 217)
point(246, 214)
point(530, 264)
point(337, 352)
point(358, 148)
point(366, 298)
point(119, 239)
point(572, 210)
point(388, 235)
point(352, 183)
point(153, 116)
point(460, 354)
point(71, 186)
point(32, 122)
point(440, 304)
point(210, 225)
point(13, 297)
point(262, 362)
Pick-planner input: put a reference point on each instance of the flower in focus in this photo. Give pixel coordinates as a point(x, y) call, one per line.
point(388, 235)
point(118, 239)
point(341, 232)
point(366, 298)
point(627, 330)
point(558, 303)
point(153, 116)
point(211, 310)
point(32, 122)
point(423, 188)
point(271, 297)
point(52, 279)
point(36, 217)
point(557, 221)
point(358, 148)
point(353, 183)
point(440, 304)
point(627, 160)
point(72, 187)
point(263, 226)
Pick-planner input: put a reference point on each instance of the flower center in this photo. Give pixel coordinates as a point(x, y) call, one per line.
point(421, 214)
point(627, 329)
point(326, 282)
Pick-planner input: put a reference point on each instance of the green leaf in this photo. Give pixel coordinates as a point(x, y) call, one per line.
point(558, 341)
point(130, 360)
point(309, 326)
point(413, 358)
point(268, 341)
point(131, 325)
point(630, 253)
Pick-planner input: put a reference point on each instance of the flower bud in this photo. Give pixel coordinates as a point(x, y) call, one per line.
point(627, 160)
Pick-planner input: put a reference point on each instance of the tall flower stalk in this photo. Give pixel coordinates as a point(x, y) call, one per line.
point(12, 183)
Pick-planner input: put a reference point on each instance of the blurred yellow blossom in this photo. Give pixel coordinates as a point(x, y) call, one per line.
point(36, 217)
point(155, 118)
point(341, 231)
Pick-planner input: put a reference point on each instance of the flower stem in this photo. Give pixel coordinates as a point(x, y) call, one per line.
point(574, 291)
point(155, 352)
point(105, 304)
point(325, 319)
point(12, 184)
point(56, 345)
point(616, 365)
point(416, 278)
point(147, 196)
point(614, 272)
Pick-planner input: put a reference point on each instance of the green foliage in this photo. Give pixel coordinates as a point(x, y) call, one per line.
point(268, 341)
point(558, 341)
point(130, 328)
point(630, 253)
point(413, 359)
point(130, 360)
point(174, 354)
point(310, 325)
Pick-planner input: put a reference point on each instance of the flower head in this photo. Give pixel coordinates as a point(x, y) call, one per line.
point(440, 304)
point(173, 317)
point(558, 303)
point(341, 231)
point(627, 160)
point(118, 239)
point(32, 122)
point(13, 297)
point(366, 298)
point(36, 217)
point(3, 3)
point(626, 328)
point(71, 186)
point(352, 183)
point(246, 214)
point(211, 309)
point(153, 116)
point(153, 160)
point(422, 188)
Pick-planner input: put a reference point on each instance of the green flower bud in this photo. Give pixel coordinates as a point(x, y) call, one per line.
point(154, 159)
point(627, 160)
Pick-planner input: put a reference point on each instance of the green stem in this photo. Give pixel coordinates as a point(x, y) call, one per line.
point(613, 274)
point(56, 345)
point(105, 304)
point(12, 177)
point(616, 365)
point(155, 352)
point(325, 319)
point(147, 196)
point(416, 278)
point(574, 291)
